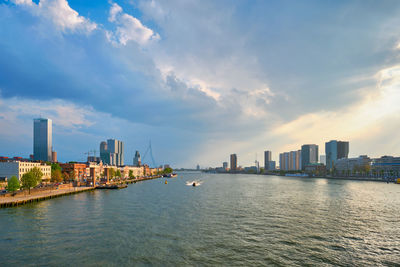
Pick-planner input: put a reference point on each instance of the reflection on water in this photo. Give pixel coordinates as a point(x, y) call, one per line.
point(229, 220)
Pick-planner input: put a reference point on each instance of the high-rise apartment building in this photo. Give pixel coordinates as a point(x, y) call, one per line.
point(267, 159)
point(233, 162)
point(112, 152)
point(335, 150)
point(309, 155)
point(42, 139)
point(290, 161)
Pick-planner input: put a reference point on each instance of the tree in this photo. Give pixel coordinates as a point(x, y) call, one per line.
point(13, 184)
point(118, 173)
point(29, 180)
point(56, 176)
point(131, 174)
point(167, 170)
point(55, 166)
point(66, 176)
point(111, 172)
point(37, 173)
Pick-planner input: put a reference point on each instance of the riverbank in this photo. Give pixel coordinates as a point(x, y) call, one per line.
point(352, 178)
point(21, 199)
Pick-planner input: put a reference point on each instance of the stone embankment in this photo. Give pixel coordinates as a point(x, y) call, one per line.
point(24, 197)
point(39, 194)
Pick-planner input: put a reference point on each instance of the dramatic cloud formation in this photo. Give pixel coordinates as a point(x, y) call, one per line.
point(129, 28)
point(201, 79)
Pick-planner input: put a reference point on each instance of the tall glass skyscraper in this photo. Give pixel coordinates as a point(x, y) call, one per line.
point(112, 152)
point(309, 155)
point(335, 150)
point(42, 139)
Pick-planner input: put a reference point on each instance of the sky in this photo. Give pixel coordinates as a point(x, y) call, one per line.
point(200, 79)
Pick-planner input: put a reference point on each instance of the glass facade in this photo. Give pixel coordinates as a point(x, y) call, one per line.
point(42, 139)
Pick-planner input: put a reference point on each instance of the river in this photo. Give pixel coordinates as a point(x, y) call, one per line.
point(230, 220)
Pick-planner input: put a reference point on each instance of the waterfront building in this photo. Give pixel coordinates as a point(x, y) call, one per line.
point(42, 139)
point(335, 150)
point(282, 162)
point(252, 169)
point(137, 171)
point(94, 159)
point(386, 166)
point(347, 166)
point(271, 165)
point(137, 161)
point(309, 155)
point(322, 159)
point(76, 171)
point(104, 153)
point(198, 167)
point(315, 169)
point(18, 168)
point(233, 162)
point(267, 159)
point(290, 161)
point(225, 165)
point(112, 152)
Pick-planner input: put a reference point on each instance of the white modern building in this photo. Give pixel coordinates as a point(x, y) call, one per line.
point(19, 168)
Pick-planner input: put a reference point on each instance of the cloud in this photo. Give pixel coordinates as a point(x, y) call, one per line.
point(226, 77)
point(61, 14)
point(129, 28)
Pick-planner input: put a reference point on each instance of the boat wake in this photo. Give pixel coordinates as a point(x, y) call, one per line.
point(196, 182)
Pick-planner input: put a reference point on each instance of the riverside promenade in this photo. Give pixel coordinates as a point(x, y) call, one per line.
point(25, 198)
point(36, 195)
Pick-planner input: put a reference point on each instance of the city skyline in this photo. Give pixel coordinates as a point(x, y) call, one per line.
point(198, 83)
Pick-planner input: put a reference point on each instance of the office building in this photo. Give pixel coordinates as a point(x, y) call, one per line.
point(42, 139)
point(271, 165)
point(322, 159)
point(386, 166)
point(225, 165)
point(18, 168)
point(335, 150)
point(346, 166)
point(267, 159)
point(103, 152)
point(137, 162)
point(233, 162)
point(309, 155)
point(112, 152)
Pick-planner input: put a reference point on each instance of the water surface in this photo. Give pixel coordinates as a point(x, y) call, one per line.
point(229, 220)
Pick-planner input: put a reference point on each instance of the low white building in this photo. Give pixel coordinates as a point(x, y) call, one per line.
point(351, 164)
point(19, 168)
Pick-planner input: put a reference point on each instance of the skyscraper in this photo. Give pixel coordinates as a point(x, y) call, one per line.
point(233, 162)
point(104, 153)
point(42, 139)
point(335, 150)
point(267, 159)
point(137, 160)
point(309, 155)
point(225, 165)
point(112, 152)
